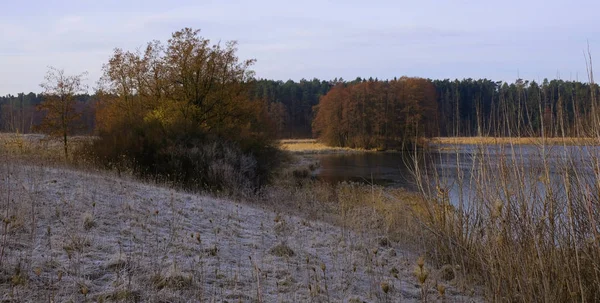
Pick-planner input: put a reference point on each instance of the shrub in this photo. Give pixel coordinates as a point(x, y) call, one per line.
point(202, 163)
point(189, 120)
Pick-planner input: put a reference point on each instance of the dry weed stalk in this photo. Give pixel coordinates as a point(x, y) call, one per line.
point(521, 218)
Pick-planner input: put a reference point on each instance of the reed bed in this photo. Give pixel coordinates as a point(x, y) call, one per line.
point(520, 216)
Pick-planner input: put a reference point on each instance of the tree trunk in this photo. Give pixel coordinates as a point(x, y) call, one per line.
point(66, 145)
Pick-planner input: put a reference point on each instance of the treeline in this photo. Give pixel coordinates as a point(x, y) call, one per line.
point(20, 114)
point(465, 107)
point(487, 108)
point(291, 104)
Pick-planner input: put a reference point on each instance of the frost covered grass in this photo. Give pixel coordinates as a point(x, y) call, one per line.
point(75, 235)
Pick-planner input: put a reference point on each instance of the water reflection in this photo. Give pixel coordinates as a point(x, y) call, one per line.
point(388, 169)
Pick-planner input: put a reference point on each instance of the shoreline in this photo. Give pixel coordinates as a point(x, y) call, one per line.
point(513, 140)
point(312, 147)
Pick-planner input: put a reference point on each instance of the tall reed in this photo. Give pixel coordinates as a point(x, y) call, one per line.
point(523, 220)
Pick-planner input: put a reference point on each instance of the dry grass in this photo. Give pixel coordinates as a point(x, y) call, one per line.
point(522, 220)
point(38, 146)
point(311, 146)
point(512, 140)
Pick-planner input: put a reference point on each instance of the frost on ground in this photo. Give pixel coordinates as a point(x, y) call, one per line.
point(80, 236)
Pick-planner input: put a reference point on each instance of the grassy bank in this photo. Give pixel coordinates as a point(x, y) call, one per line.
point(514, 231)
point(94, 236)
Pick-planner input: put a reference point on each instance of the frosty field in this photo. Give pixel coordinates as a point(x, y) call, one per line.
point(85, 236)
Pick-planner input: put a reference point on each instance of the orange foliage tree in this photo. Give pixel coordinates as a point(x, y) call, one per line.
point(187, 83)
point(172, 99)
point(376, 114)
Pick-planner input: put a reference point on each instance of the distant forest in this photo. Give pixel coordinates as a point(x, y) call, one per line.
point(19, 113)
point(462, 107)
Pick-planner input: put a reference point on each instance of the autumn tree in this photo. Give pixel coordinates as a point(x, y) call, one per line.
point(376, 114)
point(188, 81)
point(331, 123)
point(61, 117)
point(161, 106)
point(415, 108)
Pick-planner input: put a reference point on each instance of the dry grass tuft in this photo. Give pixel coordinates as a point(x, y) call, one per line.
point(88, 221)
point(282, 250)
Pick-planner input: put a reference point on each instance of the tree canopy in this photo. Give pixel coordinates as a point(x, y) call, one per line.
point(376, 114)
point(160, 107)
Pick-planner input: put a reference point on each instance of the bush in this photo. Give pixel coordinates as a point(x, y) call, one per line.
point(189, 120)
point(200, 162)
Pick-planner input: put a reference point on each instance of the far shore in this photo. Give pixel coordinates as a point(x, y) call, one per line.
point(312, 146)
point(515, 140)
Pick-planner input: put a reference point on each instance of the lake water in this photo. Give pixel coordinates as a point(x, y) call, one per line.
point(464, 162)
point(388, 169)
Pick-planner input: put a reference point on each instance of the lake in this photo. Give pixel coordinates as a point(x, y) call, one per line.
point(384, 168)
point(451, 165)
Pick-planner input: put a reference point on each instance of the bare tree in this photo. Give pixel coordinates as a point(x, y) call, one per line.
point(59, 104)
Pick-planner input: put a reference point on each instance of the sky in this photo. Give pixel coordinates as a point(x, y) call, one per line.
point(500, 40)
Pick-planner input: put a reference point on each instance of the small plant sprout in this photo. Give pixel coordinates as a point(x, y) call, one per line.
point(422, 274)
point(385, 287)
point(84, 290)
point(441, 290)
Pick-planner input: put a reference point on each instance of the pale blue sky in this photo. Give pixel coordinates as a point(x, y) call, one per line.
point(306, 39)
